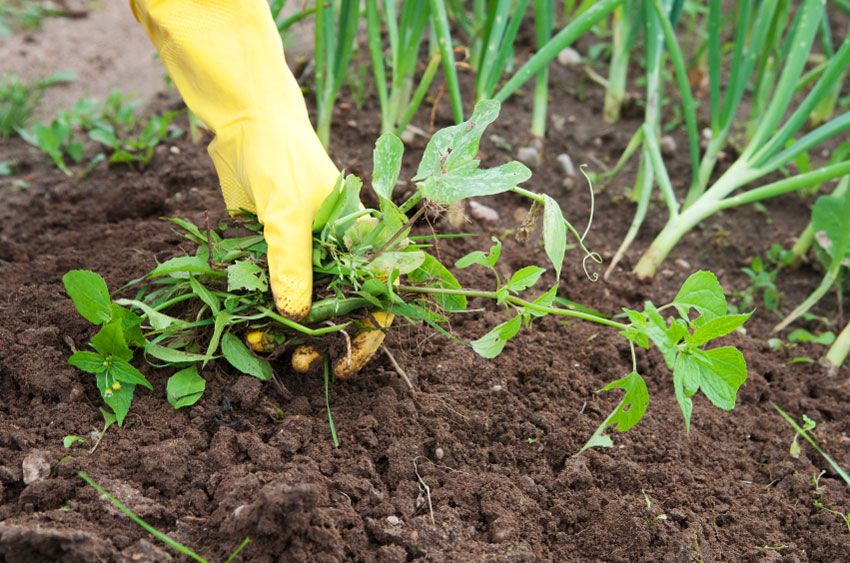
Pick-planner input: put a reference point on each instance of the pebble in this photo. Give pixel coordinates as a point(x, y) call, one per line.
point(568, 57)
point(496, 388)
point(483, 213)
point(667, 145)
point(528, 155)
point(566, 164)
point(394, 520)
point(35, 467)
point(682, 263)
point(439, 454)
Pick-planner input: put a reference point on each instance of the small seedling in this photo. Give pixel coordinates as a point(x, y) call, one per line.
point(18, 99)
point(844, 517)
point(802, 431)
point(651, 519)
point(108, 420)
point(808, 424)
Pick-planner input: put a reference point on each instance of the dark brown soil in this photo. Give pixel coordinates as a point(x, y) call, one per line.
point(476, 464)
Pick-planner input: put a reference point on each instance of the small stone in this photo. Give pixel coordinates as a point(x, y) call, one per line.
point(394, 520)
point(667, 273)
point(566, 164)
point(668, 145)
point(682, 263)
point(439, 454)
point(706, 133)
point(35, 467)
point(501, 530)
point(407, 136)
point(569, 57)
point(483, 213)
point(528, 155)
point(351, 123)
point(496, 388)
point(174, 150)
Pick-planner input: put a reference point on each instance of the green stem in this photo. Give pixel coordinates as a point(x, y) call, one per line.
point(838, 351)
point(440, 21)
point(514, 301)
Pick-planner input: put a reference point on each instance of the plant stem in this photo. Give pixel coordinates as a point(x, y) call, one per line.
point(514, 301)
point(838, 351)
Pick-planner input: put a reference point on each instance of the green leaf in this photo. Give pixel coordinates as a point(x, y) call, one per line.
point(110, 341)
point(182, 266)
point(803, 335)
point(122, 371)
point(702, 292)
point(120, 401)
point(246, 275)
point(628, 412)
point(185, 388)
point(525, 278)
point(434, 274)
point(663, 336)
point(726, 372)
point(173, 356)
point(491, 344)
point(235, 352)
point(159, 321)
point(347, 204)
point(88, 361)
point(221, 322)
point(470, 181)
point(130, 326)
point(404, 262)
point(554, 233)
point(69, 441)
point(104, 136)
point(826, 223)
point(715, 328)
point(205, 295)
point(387, 164)
point(478, 257)
point(545, 300)
point(90, 295)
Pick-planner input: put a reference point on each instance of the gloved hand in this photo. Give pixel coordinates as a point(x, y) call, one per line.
point(226, 59)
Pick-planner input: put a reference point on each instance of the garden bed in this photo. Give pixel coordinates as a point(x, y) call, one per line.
point(492, 439)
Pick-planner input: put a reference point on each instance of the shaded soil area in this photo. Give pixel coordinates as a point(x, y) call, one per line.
point(477, 463)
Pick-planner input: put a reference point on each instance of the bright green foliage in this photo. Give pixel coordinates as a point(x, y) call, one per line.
point(19, 15)
point(627, 414)
point(18, 100)
point(185, 387)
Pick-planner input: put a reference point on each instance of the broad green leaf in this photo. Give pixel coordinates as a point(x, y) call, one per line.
point(326, 209)
point(545, 300)
point(205, 295)
point(628, 412)
point(661, 334)
point(347, 204)
point(122, 371)
point(715, 328)
point(404, 262)
point(130, 326)
point(525, 278)
point(157, 320)
point(826, 223)
point(88, 361)
point(172, 356)
point(685, 403)
point(434, 274)
point(387, 164)
point(478, 257)
point(69, 441)
point(803, 335)
point(104, 136)
point(119, 400)
point(110, 341)
point(470, 181)
point(638, 331)
point(185, 387)
point(722, 378)
point(554, 233)
point(455, 146)
point(182, 266)
point(491, 344)
point(238, 355)
point(702, 292)
point(90, 295)
point(246, 275)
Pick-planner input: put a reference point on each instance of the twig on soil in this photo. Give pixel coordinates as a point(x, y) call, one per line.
point(427, 489)
point(401, 373)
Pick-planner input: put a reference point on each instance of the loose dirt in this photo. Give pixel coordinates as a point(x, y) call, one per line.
point(477, 463)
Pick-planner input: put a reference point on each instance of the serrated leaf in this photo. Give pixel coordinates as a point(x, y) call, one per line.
point(554, 233)
point(246, 275)
point(110, 341)
point(715, 328)
point(491, 344)
point(627, 413)
point(434, 274)
point(386, 164)
point(238, 355)
point(547, 299)
point(701, 292)
point(185, 388)
point(88, 361)
point(661, 334)
point(478, 257)
point(525, 278)
point(722, 378)
point(122, 371)
point(90, 295)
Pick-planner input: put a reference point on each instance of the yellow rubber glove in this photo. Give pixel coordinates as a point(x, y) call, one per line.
point(226, 59)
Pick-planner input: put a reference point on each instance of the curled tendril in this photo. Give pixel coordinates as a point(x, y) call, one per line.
point(592, 208)
point(594, 276)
